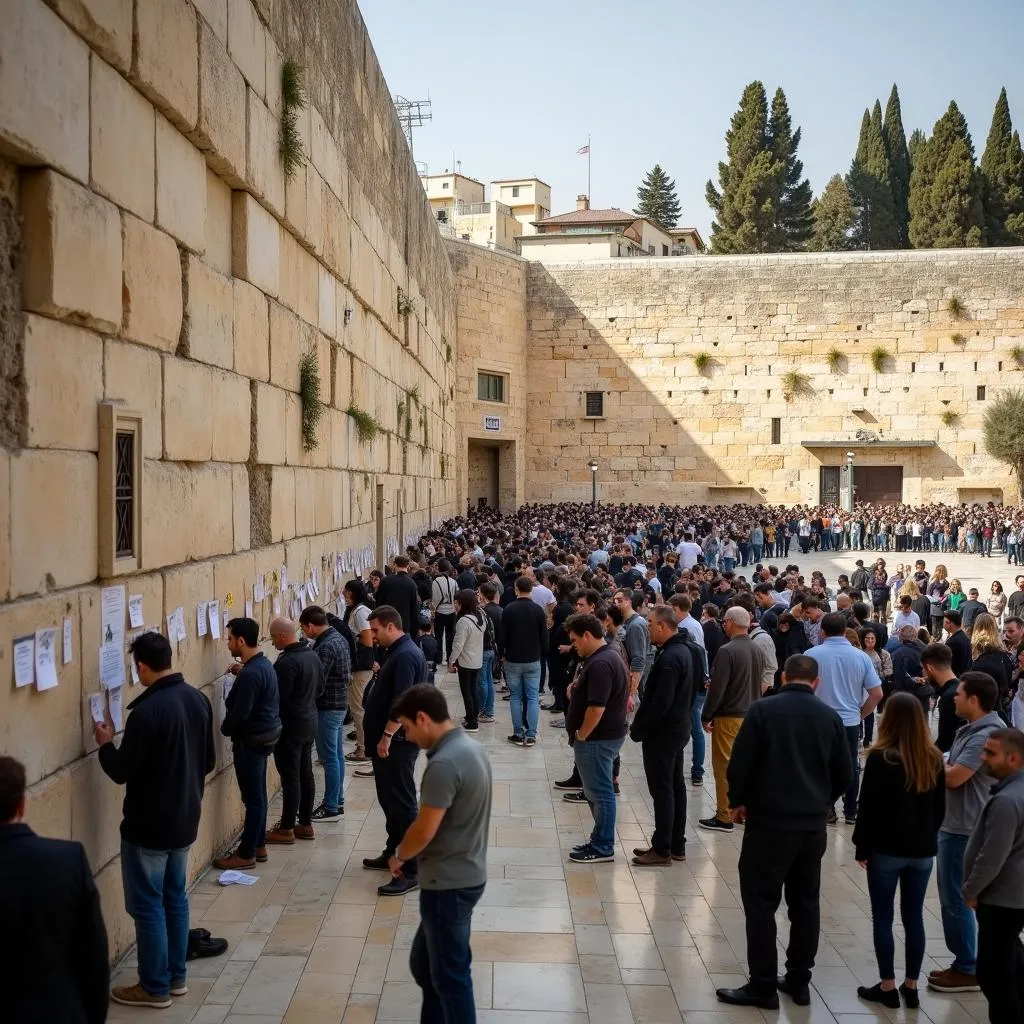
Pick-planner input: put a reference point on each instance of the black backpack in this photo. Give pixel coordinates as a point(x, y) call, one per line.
point(697, 659)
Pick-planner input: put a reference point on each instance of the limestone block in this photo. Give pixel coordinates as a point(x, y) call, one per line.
point(337, 229)
point(289, 337)
point(217, 239)
point(231, 414)
point(209, 315)
point(72, 263)
point(296, 201)
point(247, 43)
point(48, 806)
point(271, 434)
point(152, 286)
point(188, 410)
point(314, 225)
point(342, 379)
point(213, 507)
point(282, 504)
point(328, 290)
point(221, 127)
point(275, 65)
point(133, 374)
point(255, 244)
point(325, 155)
point(199, 659)
point(44, 89)
point(54, 503)
point(42, 730)
point(64, 376)
point(251, 331)
point(167, 59)
point(216, 14)
point(305, 513)
point(5, 525)
point(180, 187)
point(95, 811)
point(263, 165)
point(105, 24)
point(121, 140)
point(300, 279)
point(241, 508)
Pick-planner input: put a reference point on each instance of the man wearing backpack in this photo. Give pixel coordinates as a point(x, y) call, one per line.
point(662, 726)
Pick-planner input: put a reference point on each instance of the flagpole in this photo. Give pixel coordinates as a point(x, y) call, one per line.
point(588, 166)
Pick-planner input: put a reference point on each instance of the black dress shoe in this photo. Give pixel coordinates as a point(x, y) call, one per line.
point(800, 994)
point(745, 997)
point(376, 863)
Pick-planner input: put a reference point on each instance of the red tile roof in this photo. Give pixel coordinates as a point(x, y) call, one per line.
point(591, 217)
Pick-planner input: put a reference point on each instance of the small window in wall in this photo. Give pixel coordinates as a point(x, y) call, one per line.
point(981, 392)
point(595, 404)
point(515, 191)
point(120, 491)
point(442, 216)
point(490, 387)
point(444, 184)
point(776, 430)
point(664, 250)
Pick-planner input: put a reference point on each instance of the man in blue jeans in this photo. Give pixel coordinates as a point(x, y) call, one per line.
point(596, 723)
point(449, 838)
point(967, 789)
point(682, 606)
point(524, 633)
point(165, 755)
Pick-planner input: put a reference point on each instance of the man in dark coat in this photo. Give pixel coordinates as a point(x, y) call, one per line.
point(662, 726)
point(53, 950)
point(399, 592)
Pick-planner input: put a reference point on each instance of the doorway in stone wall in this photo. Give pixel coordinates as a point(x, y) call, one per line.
point(483, 474)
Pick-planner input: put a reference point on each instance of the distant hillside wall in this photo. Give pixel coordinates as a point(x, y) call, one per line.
point(153, 255)
point(671, 431)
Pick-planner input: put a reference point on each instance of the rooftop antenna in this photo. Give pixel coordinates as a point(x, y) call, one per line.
point(412, 114)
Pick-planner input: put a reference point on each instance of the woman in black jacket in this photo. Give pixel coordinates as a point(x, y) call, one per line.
point(790, 638)
point(902, 803)
point(988, 655)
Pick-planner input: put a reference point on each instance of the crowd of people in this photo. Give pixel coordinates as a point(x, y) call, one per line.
point(887, 691)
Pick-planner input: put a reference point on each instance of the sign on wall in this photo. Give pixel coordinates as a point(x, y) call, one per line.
point(492, 423)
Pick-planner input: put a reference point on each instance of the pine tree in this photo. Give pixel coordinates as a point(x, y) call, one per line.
point(1002, 179)
point(834, 218)
point(794, 222)
point(899, 166)
point(870, 185)
point(945, 188)
point(746, 206)
point(657, 199)
point(914, 145)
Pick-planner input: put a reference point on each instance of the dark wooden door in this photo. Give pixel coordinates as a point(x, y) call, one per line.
point(829, 485)
point(879, 484)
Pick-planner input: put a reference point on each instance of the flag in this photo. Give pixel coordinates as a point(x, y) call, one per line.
point(583, 150)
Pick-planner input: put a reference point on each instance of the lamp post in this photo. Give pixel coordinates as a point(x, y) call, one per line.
point(592, 466)
point(849, 481)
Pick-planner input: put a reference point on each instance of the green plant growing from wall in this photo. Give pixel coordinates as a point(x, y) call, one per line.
point(400, 410)
point(293, 100)
point(835, 359)
point(414, 394)
point(958, 339)
point(702, 362)
point(406, 305)
point(950, 417)
point(879, 357)
point(447, 350)
point(309, 396)
point(1017, 355)
point(955, 308)
point(367, 427)
point(444, 467)
point(795, 383)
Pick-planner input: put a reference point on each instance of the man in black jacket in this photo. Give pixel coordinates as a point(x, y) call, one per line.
point(53, 950)
point(300, 682)
point(790, 763)
point(526, 636)
point(958, 642)
point(394, 757)
point(906, 666)
point(165, 755)
point(662, 726)
point(252, 721)
point(399, 591)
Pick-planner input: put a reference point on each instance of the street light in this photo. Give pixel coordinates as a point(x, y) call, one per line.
point(849, 481)
point(592, 466)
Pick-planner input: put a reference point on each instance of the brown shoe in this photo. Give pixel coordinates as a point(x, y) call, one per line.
point(136, 995)
point(678, 856)
point(232, 862)
point(261, 855)
point(304, 832)
point(281, 836)
point(953, 981)
point(651, 858)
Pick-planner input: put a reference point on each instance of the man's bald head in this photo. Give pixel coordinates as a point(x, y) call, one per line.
point(282, 632)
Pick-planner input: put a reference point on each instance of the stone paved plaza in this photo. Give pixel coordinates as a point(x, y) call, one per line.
point(553, 942)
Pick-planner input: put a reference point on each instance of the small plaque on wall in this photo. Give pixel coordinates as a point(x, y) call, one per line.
point(492, 423)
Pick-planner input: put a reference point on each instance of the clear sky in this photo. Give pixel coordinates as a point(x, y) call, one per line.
point(517, 87)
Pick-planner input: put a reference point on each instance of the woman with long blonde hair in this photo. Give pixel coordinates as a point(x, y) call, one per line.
point(936, 592)
point(988, 654)
point(902, 803)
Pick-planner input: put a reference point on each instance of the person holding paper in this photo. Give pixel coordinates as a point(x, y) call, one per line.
point(165, 755)
point(54, 966)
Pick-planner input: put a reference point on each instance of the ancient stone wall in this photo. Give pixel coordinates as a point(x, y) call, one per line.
point(154, 255)
point(675, 430)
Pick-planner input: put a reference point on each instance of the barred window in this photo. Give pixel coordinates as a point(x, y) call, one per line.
point(120, 478)
point(124, 494)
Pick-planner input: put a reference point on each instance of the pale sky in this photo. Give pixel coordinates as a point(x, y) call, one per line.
point(517, 87)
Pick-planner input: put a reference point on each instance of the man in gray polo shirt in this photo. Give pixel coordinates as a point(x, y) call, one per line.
point(449, 840)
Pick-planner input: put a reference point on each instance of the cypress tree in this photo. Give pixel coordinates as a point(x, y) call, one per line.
point(834, 218)
point(657, 199)
point(945, 188)
point(914, 145)
point(899, 166)
point(870, 186)
point(746, 203)
point(794, 222)
point(1002, 179)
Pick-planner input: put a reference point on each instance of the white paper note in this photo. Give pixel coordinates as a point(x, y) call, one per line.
point(115, 698)
point(135, 671)
point(46, 659)
point(179, 624)
point(214, 616)
point(24, 659)
point(112, 615)
point(258, 591)
point(277, 604)
point(96, 708)
point(248, 609)
point(226, 616)
point(112, 664)
point(201, 618)
point(67, 641)
point(229, 681)
point(237, 878)
point(302, 598)
point(135, 616)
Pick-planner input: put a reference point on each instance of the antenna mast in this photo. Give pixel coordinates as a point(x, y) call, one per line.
point(412, 114)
